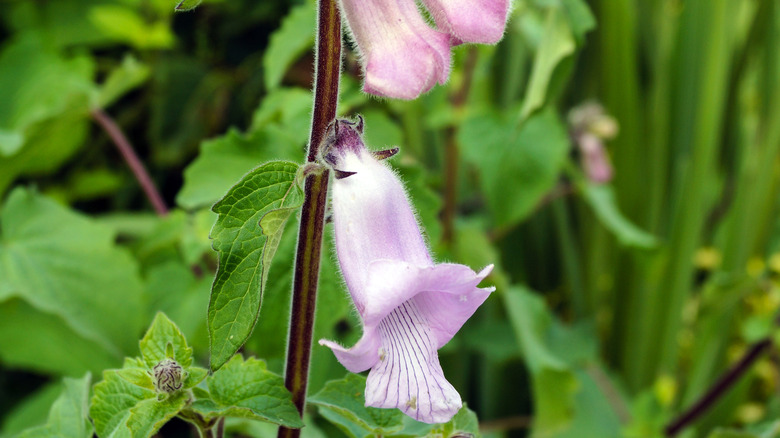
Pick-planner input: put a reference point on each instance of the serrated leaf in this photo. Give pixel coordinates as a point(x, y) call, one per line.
point(528, 156)
point(120, 408)
point(246, 241)
point(289, 42)
point(187, 5)
point(162, 333)
point(601, 198)
point(68, 414)
point(346, 401)
point(48, 256)
point(137, 376)
point(122, 79)
point(246, 389)
point(195, 375)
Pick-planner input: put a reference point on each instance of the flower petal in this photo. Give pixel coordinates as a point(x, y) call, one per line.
point(391, 282)
point(470, 21)
point(362, 356)
point(447, 312)
point(408, 375)
point(372, 217)
point(402, 55)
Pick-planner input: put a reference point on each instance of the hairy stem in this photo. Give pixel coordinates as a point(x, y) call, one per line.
point(128, 153)
point(307, 259)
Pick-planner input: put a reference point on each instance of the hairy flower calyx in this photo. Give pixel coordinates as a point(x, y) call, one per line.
point(168, 376)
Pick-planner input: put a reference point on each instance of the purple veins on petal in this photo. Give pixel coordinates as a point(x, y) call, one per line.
point(409, 377)
point(409, 305)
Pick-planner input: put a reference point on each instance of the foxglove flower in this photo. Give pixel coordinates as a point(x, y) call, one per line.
point(402, 55)
point(409, 305)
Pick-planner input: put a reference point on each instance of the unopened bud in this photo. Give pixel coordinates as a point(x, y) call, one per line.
point(167, 376)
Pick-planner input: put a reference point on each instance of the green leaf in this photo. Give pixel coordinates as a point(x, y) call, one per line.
point(49, 257)
point(528, 157)
point(187, 5)
point(247, 233)
point(162, 334)
point(68, 414)
point(138, 376)
point(128, 26)
point(224, 160)
point(343, 402)
point(601, 198)
point(47, 344)
point(47, 144)
point(40, 85)
point(32, 411)
point(334, 307)
point(130, 74)
point(463, 424)
point(557, 44)
point(195, 375)
point(294, 37)
point(288, 109)
point(246, 389)
point(731, 433)
point(122, 409)
point(581, 19)
point(554, 384)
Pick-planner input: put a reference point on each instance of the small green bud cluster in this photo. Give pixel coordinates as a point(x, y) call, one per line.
point(167, 376)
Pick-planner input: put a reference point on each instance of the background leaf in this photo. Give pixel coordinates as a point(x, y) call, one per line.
point(530, 156)
point(47, 258)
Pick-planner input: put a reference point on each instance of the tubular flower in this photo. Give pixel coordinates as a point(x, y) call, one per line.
point(402, 55)
point(409, 305)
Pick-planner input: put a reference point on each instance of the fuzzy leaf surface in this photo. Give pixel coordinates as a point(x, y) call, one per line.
point(247, 233)
point(246, 389)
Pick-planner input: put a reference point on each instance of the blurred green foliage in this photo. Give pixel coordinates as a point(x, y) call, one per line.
point(617, 305)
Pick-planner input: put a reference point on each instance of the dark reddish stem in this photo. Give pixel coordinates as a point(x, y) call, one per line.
point(307, 259)
point(720, 387)
point(128, 153)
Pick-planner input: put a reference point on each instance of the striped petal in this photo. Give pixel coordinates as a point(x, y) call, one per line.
point(408, 375)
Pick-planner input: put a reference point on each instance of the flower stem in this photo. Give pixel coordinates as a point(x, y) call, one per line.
point(307, 259)
point(719, 388)
point(128, 153)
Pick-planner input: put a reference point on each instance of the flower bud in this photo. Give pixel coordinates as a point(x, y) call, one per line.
point(168, 376)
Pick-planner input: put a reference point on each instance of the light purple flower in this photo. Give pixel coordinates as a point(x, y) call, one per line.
point(409, 305)
point(402, 55)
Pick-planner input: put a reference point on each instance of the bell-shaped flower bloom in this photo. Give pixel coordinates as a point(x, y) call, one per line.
point(403, 56)
point(410, 306)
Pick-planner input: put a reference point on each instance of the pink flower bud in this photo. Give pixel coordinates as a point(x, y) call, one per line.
point(402, 55)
